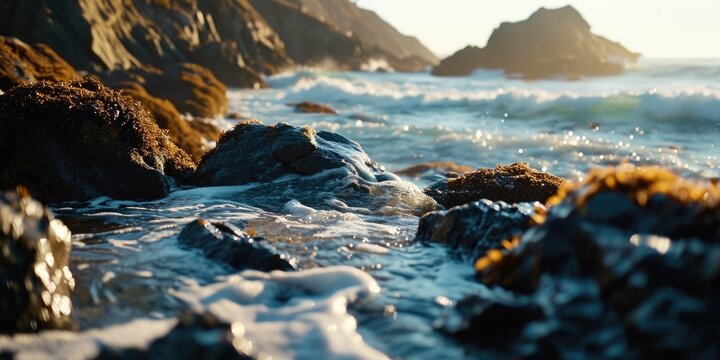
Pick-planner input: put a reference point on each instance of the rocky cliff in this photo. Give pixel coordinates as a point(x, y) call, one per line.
point(551, 42)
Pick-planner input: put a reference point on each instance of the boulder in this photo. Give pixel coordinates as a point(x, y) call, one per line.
point(624, 264)
point(226, 244)
point(551, 42)
point(194, 139)
point(475, 228)
point(37, 285)
point(512, 184)
point(308, 107)
point(80, 140)
point(21, 63)
point(196, 336)
point(319, 169)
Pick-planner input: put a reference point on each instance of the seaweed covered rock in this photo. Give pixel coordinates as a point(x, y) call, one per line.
point(222, 242)
point(196, 336)
point(80, 140)
point(551, 42)
point(321, 170)
point(36, 282)
point(626, 265)
point(21, 63)
point(194, 140)
point(308, 107)
point(475, 228)
point(512, 184)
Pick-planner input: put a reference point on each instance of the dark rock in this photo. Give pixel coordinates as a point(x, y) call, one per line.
point(437, 167)
point(185, 134)
point(322, 170)
point(555, 42)
point(80, 140)
point(512, 184)
point(626, 264)
point(475, 228)
point(311, 107)
point(21, 63)
point(36, 282)
point(223, 243)
point(196, 336)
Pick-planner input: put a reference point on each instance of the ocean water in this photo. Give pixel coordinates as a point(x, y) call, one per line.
point(366, 291)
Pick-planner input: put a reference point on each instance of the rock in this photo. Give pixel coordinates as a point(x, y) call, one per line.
point(626, 263)
point(80, 140)
point(37, 285)
point(194, 140)
point(340, 35)
point(512, 184)
point(225, 244)
point(435, 167)
point(196, 336)
point(311, 107)
point(227, 36)
point(21, 63)
point(321, 170)
point(551, 42)
point(475, 228)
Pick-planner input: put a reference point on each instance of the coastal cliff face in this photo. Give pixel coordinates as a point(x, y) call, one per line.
point(340, 34)
point(551, 42)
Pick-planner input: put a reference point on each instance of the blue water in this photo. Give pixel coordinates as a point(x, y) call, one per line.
point(129, 266)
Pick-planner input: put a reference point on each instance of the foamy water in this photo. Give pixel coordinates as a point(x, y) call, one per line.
point(366, 291)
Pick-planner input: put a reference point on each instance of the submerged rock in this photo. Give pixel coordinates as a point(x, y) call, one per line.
point(626, 265)
point(322, 169)
point(80, 140)
point(196, 336)
point(475, 228)
point(223, 243)
point(311, 107)
point(512, 184)
point(36, 282)
point(551, 42)
point(21, 63)
point(442, 167)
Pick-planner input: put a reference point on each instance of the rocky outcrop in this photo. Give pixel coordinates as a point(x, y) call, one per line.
point(514, 183)
point(21, 63)
point(226, 36)
point(319, 169)
point(80, 140)
point(37, 285)
point(224, 243)
point(338, 34)
point(196, 336)
point(308, 107)
point(625, 264)
point(551, 42)
point(475, 228)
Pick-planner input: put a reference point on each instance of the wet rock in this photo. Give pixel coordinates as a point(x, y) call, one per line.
point(80, 140)
point(196, 336)
point(321, 170)
point(441, 167)
point(36, 282)
point(21, 63)
point(313, 108)
point(512, 184)
point(551, 42)
point(183, 133)
point(226, 244)
point(626, 264)
point(475, 228)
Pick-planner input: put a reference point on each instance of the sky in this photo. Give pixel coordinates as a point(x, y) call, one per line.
point(655, 28)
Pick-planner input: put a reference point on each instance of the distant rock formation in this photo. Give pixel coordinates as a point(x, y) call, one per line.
point(340, 34)
point(551, 42)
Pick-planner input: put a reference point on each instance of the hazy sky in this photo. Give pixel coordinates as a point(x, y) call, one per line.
point(656, 28)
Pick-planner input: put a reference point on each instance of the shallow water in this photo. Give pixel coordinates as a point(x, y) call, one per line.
point(132, 275)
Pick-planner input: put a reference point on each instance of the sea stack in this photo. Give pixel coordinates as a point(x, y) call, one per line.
point(550, 43)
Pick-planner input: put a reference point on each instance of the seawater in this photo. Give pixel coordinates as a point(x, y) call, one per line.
point(367, 291)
